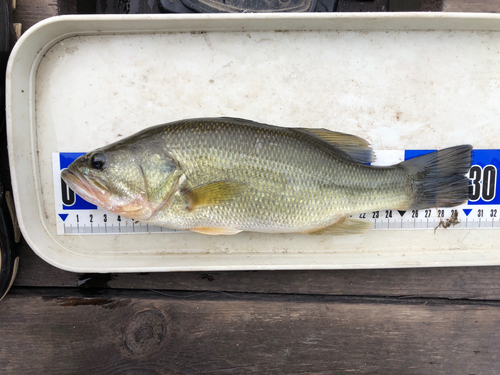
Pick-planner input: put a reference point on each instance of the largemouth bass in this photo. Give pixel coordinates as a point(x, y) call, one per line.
point(227, 175)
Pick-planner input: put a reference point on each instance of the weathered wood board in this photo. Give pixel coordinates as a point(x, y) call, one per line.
point(55, 331)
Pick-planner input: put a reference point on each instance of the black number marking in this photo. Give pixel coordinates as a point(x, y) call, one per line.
point(427, 213)
point(77, 219)
point(475, 174)
point(68, 195)
point(480, 213)
point(414, 214)
point(493, 213)
point(489, 182)
point(483, 182)
point(440, 213)
point(375, 215)
point(119, 218)
point(91, 218)
point(105, 218)
point(388, 214)
point(362, 216)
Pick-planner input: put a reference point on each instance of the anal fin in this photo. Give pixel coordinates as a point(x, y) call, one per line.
point(216, 231)
point(346, 226)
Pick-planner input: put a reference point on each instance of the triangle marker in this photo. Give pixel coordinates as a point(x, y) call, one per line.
point(63, 216)
point(467, 211)
point(401, 213)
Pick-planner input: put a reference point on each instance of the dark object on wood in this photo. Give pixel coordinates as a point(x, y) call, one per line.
point(489, 6)
point(363, 6)
point(252, 6)
point(404, 5)
point(9, 260)
point(415, 5)
point(173, 6)
point(431, 6)
point(177, 6)
point(326, 5)
point(126, 6)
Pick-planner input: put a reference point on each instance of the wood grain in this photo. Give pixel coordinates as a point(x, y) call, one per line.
point(29, 12)
point(143, 332)
point(482, 283)
point(486, 6)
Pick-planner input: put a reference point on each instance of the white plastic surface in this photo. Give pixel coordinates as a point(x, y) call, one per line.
point(74, 83)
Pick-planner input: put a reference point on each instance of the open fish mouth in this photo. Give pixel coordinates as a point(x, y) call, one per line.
point(81, 186)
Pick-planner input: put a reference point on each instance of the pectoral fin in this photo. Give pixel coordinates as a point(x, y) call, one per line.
point(345, 226)
point(212, 194)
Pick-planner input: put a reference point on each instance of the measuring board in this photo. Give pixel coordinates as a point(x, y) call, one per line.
point(75, 216)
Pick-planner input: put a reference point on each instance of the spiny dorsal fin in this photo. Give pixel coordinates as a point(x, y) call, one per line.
point(212, 194)
point(357, 148)
point(345, 226)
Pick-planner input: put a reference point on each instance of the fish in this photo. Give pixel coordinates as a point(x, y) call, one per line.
point(222, 176)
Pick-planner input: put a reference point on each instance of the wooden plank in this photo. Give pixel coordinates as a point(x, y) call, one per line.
point(139, 332)
point(29, 12)
point(486, 6)
point(482, 283)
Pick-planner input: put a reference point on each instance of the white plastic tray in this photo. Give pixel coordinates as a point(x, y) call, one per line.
point(402, 81)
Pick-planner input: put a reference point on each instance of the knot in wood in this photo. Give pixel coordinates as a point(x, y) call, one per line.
point(144, 332)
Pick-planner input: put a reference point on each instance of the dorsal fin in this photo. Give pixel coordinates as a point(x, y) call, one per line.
point(357, 148)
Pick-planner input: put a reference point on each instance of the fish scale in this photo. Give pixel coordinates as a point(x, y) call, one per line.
point(285, 180)
point(304, 205)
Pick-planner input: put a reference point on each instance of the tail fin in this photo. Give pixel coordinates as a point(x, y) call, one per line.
point(438, 179)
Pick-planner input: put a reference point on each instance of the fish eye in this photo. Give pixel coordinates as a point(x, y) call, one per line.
point(98, 160)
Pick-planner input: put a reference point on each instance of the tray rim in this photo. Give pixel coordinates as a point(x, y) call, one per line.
point(35, 43)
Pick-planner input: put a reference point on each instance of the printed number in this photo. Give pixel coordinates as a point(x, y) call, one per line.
point(414, 214)
point(440, 213)
point(483, 182)
point(388, 214)
point(91, 218)
point(105, 218)
point(362, 216)
point(427, 213)
point(77, 219)
point(453, 212)
point(375, 215)
point(68, 195)
point(119, 218)
point(480, 213)
point(493, 213)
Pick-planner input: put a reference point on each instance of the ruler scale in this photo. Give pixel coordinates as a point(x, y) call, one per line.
point(75, 216)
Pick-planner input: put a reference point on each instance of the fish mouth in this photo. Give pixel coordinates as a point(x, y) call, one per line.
point(95, 193)
point(82, 186)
